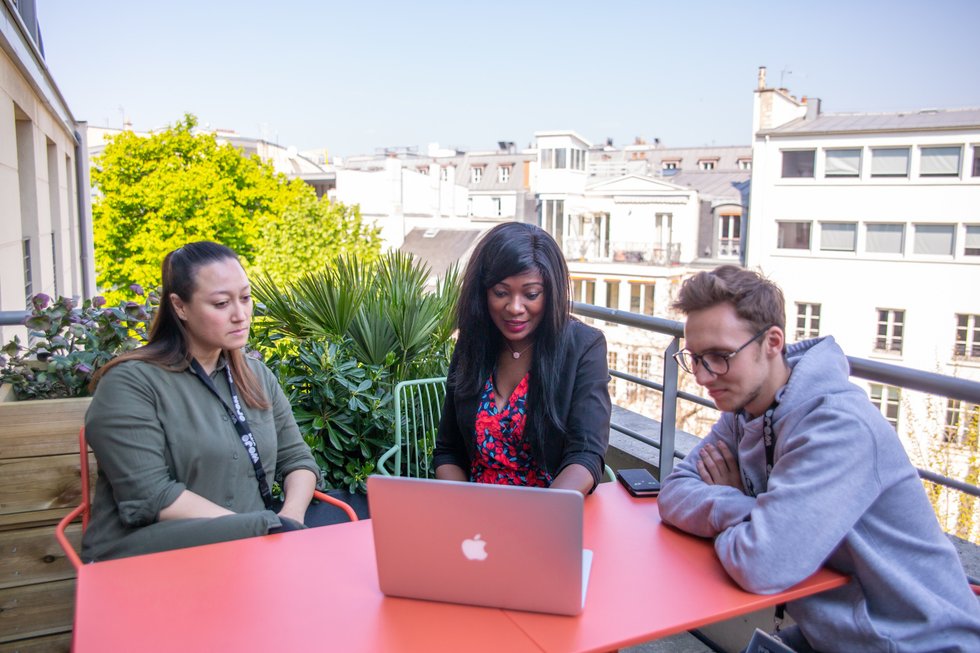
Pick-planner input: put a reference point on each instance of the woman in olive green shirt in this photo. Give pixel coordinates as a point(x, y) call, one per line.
point(175, 456)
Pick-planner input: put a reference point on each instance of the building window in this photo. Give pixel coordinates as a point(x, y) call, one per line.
point(28, 276)
point(976, 160)
point(939, 161)
point(962, 422)
point(612, 294)
point(583, 290)
point(476, 174)
point(891, 330)
point(971, 246)
point(637, 364)
point(967, 345)
point(422, 170)
point(934, 239)
point(497, 206)
point(807, 321)
point(503, 174)
point(561, 157)
point(729, 235)
point(547, 158)
point(744, 164)
point(889, 162)
point(706, 165)
point(885, 238)
point(469, 206)
point(842, 163)
point(886, 398)
point(838, 236)
point(793, 235)
point(798, 163)
point(553, 219)
point(641, 297)
point(444, 173)
point(670, 165)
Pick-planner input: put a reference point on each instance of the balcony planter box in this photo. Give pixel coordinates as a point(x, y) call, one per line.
point(39, 484)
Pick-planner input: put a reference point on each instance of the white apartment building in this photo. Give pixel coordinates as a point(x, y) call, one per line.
point(402, 190)
point(871, 225)
point(632, 222)
point(45, 217)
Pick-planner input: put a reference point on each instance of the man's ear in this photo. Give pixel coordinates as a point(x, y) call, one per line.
point(178, 305)
point(775, 340)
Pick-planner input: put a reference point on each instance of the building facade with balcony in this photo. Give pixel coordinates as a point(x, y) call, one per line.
point(871, 225)
point(45, 215)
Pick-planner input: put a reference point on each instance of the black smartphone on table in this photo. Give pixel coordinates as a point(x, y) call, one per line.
point(639, 482)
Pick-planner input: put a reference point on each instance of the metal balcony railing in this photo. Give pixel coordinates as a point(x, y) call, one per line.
point(875, 371)
point(870, 370)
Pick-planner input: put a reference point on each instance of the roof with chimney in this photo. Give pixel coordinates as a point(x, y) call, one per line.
point(922, 120)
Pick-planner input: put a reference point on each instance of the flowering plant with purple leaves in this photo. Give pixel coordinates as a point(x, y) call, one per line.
point(67, 343)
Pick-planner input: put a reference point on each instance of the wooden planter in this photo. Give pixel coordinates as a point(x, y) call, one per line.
point(39, 484)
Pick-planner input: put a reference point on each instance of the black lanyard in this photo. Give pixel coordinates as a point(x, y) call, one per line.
point(241, 425)
point(768, 439)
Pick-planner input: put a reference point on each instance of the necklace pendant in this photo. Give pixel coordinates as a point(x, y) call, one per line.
point(516, 354)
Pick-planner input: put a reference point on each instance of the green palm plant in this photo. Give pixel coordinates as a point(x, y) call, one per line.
point(383, 323)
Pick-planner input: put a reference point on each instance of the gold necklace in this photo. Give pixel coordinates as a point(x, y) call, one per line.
point(517, 354)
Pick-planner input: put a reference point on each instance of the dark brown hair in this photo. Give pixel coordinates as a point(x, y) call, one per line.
point(756, 299)
point(167, 345)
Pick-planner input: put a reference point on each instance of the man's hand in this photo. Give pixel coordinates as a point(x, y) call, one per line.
point(717, 466)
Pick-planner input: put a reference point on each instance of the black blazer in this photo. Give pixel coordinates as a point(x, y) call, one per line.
point(583, 404)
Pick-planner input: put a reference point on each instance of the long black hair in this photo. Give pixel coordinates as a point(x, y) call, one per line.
point(167, 341)
point(509, 249)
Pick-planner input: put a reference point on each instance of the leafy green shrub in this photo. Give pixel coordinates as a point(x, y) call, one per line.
point(341, 338)
point(66, 345)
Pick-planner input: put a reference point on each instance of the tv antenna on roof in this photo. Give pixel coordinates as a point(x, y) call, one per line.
point(782, 73)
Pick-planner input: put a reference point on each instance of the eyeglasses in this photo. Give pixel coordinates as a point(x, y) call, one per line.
point(716, 362)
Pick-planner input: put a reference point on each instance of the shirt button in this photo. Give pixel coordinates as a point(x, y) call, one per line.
point(224, 418)
point(228, 503)
point(235, 456)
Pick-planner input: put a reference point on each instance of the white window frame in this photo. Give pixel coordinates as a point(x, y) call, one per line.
point(476, 174)
point(889, 330)
point(944, 168)
point(809, 235)
point(961, 422)
point(887, 399)
point(879, 151)
point(643, 296)
point(801, 169)
point(840, 167)
point(503, 174)
point(807, 321)
point(966, 338)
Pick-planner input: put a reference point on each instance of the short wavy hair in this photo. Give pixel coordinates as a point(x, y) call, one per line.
point(756, 299)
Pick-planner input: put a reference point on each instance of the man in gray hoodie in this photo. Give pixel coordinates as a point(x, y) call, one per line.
point(802, 471)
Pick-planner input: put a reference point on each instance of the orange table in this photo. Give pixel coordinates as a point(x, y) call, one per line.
point(649, 581)
point(313, 590)
point(318, 590)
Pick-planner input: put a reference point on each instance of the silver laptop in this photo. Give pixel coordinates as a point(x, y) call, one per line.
point(493, 545)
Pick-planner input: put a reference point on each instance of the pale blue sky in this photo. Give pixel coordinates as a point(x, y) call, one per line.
point(355, 76)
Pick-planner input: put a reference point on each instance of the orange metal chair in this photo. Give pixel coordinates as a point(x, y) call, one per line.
point(84, 508)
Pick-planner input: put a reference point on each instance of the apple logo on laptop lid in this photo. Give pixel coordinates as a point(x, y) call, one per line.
point(475, 549)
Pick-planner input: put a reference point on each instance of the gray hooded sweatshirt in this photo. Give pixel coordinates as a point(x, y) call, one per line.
point(842, 493)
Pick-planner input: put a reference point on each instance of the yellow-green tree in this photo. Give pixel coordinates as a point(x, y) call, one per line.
point(157, 192)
